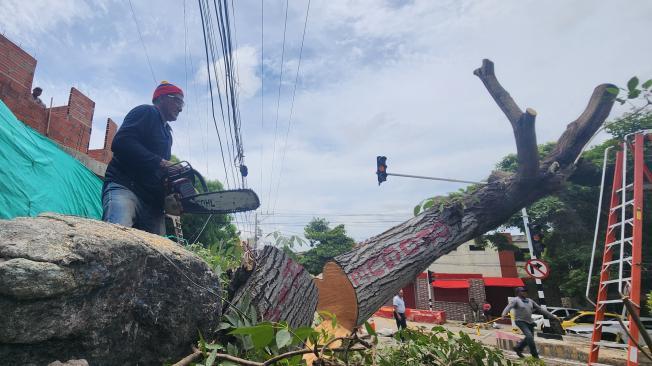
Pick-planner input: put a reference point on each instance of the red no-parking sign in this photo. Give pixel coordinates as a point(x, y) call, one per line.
point(538, 269)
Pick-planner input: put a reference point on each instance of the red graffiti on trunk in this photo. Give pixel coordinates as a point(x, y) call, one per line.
point(392, 256)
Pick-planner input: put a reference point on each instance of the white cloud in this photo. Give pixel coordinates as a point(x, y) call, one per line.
point(29, 19)
point(248, 64)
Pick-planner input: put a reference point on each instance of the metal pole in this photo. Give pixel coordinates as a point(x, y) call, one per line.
point(435, 178)
point(526, 221)
point(597, 225)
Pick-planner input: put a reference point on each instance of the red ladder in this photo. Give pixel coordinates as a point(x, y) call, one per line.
point(623, 245)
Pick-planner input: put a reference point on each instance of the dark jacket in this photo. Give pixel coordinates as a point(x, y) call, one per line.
point(138, 147)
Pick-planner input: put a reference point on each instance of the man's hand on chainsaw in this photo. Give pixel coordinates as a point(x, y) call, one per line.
point(169, 168)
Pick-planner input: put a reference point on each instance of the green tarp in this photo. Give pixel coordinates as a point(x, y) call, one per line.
point(37, 176)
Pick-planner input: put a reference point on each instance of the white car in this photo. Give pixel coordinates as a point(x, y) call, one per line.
point(561, 313)
point(610, 332)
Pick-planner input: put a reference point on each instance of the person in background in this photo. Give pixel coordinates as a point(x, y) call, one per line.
point(523, 308)
point(474, 308)
point(399, 311)
point(486, 311)
point(36, 96)
point(133, 193)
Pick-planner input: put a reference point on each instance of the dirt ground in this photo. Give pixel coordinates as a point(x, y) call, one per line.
point(488, 337)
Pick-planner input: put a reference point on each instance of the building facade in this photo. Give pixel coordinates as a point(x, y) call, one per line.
point(471, 273)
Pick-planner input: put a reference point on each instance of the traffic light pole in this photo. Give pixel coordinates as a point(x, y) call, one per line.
point(526, 224)
point(435, 178)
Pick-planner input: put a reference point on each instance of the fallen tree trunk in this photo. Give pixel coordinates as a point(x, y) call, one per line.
point(279, 288)
point(357, 283)
point(73, 288)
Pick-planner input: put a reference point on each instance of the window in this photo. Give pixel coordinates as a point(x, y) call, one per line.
point(611, 317)
point(476, 248)
point(585, 319)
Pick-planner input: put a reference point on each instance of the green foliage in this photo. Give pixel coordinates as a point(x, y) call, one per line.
point(649, 301)
point(441, 202)
point(440, 347)
point(326, 243)
point(220, 256)
point(497, 241)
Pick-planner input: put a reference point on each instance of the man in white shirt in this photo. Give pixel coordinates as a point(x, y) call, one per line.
point(399, 311)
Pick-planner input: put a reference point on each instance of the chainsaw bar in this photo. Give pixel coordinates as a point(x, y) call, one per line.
point(222, 202)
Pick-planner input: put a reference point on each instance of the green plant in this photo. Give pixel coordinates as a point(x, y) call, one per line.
point(220, 257)
point(440, 347)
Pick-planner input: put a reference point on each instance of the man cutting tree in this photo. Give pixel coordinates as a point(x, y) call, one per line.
point(133, 194)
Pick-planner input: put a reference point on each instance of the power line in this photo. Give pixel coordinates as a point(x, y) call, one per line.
point(294, 92)
point(210, 84)
point(278, 102)
point(133, 14)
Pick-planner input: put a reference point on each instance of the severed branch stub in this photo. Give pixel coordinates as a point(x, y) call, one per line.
point(522, 123)
point(359, 282)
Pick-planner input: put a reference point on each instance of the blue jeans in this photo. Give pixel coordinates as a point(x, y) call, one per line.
point(528, 332)
point(121, 206)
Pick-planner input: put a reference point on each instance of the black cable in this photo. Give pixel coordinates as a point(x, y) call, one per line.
point(213, 47)
point(210, 84)
point(133, 14)
point(278, 101)
point(294, 92)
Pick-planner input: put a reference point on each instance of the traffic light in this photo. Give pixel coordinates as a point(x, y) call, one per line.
point(536, 232)
point(381, 168)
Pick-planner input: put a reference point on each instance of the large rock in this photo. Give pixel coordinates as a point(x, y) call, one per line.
point(73, 288)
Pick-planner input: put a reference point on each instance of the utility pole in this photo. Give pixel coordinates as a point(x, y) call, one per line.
point(256, 231)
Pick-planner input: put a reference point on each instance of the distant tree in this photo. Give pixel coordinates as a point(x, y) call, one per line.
point(325, 244)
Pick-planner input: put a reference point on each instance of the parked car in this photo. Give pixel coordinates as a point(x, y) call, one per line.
point(610, 332)
point(563, 313)
point(586, 317)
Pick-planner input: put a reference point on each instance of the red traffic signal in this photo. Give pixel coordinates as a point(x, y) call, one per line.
point(381, 168)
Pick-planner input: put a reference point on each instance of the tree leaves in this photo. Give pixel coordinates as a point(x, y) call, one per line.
point(283, 338)
point(261, 335)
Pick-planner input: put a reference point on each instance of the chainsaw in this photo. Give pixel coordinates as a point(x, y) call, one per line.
point(181, 196)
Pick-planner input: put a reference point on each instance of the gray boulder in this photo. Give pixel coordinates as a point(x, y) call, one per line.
point(74, 288)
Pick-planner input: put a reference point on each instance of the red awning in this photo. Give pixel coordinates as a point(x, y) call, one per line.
point(450, 284)
point(503, 282)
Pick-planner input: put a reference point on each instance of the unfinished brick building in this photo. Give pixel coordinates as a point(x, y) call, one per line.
point(69, 125)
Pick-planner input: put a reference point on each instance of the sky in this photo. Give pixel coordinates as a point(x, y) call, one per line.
point(392, 78)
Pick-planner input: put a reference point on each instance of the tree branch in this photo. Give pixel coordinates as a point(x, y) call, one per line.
point(188, 359)
point(522, 123)
point(500, 95)
point(579, 132)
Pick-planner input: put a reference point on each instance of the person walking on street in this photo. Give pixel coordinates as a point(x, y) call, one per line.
point(133, 193)
point(523, 308)
point(474, 309)
point(399, 311)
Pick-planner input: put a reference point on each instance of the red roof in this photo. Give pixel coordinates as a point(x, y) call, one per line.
point(450, 284)
point(456, 276)
point(503, 282)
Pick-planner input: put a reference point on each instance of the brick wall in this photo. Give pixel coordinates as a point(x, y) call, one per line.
point(457, 310)
point(69, 125)
point(454, 310)
point(421, 286)
point(476, 290)
point(105, 154)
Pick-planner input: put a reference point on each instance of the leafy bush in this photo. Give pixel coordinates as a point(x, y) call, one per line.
point(440, 347)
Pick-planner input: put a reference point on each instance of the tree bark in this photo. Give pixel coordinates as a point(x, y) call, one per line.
point(279, 288)
point(378, 267)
